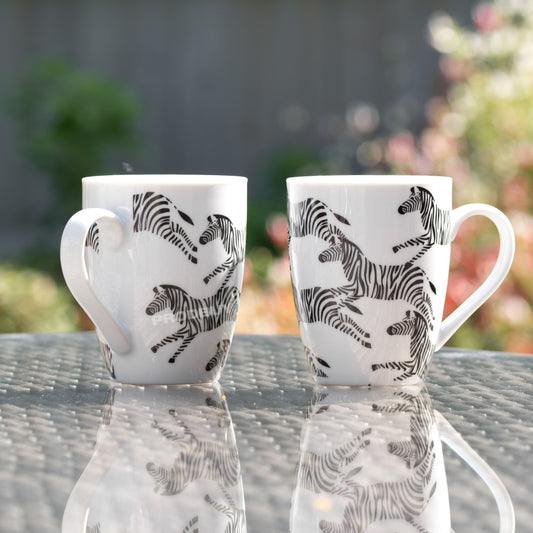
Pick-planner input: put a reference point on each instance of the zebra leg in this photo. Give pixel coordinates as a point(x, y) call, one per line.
point(411, 242)
point(229, 273)
point(391, 365)
point(225, 265)
point(183, 345)
point(422, 251)
point(349, 326)
point(167, 340)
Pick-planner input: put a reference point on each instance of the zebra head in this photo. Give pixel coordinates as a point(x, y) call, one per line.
point(413, 203)
point(159, 302)
point(410, 323)
point(214, 229)
point(335, 252)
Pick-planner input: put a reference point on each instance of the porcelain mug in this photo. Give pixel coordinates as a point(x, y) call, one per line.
point(156, 261)
point(165, 459)
point(372, 460)
point(369, 258)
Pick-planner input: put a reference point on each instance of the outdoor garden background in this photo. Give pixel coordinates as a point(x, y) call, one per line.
point(465, 112)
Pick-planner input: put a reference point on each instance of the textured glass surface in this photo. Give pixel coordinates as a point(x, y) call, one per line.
point(55, 398)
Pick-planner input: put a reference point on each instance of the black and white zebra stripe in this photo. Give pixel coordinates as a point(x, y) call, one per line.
point(329, 307)
point(316, 364)
point(421, 421)
point(402, 500)
point(311, 217)
point(323, 472)
point(421, 348)
point(220, 356)
point(436, 221)
point(197, 459)
point(382, 282)
point(191, 526)
point(195, 315)
point(237, 517)
point(233, 240)
point(93, 238)
point(157, 214)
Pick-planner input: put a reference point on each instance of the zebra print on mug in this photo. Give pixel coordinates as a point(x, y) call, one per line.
point(221, 227)
point(157, 214)
point(193, 315)
point(338, 306)
point(353, 472)
point(421, 347)
point(436, 221)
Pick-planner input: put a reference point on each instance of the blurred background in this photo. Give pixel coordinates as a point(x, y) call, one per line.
point(266, 90)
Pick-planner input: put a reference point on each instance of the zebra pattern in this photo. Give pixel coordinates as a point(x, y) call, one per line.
point(383, 282)
point(93, 238)
point(219, 358)
point(192, 526)
point(107, 356)
point(195, 315)
point(313, 361)
point(421, 347)
point(322, 472)
point(330, 306)
point(421, 421)
point(221, 227)
point(237, 518)
point(157, 214)
point(311, 217)
point(436, 221)
point(197, 459)
point(403, 500)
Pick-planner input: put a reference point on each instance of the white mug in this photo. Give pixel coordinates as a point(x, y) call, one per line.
point(164, 458)
point(369, 259)
point(156, 261)
point(371, 460)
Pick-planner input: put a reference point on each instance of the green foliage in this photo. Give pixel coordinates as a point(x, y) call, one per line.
point(33, 301)
point(71, 123)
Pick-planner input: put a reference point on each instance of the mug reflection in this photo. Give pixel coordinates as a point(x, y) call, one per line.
point(165, 459)
point(371, 461)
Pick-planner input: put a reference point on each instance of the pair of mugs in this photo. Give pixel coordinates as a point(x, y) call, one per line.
point(157, 261)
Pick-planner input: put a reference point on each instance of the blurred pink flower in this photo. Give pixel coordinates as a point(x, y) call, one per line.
point(486, 19)
point(400, 149)
point(524, 155)
point(454, 68)
point(515, 193)
point(436, 145)
point(276, 230)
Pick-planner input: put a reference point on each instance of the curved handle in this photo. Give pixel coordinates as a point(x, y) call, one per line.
point(505, 506)
point(505, 258)
point(75, 270)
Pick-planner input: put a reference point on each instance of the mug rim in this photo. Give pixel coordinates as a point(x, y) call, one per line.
point(163, 179)
point(368, 179)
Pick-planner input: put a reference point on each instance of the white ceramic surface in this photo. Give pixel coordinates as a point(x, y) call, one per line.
point(156, 261)
point(369, 260)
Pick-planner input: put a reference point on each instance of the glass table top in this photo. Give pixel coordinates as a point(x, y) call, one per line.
point(263, 450)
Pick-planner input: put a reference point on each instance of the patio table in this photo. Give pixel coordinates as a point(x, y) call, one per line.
point(55, 396)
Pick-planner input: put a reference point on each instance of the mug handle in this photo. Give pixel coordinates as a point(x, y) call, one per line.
point(452, 438)
point(505, 258)
point(75, 273)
